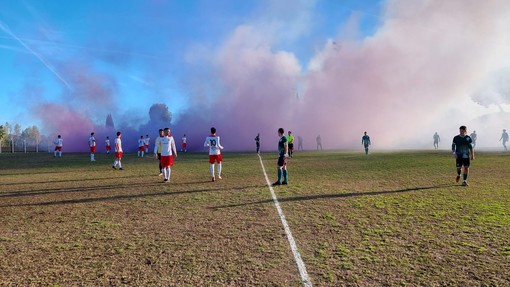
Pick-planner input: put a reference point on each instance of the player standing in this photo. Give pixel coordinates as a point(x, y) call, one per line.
point(157, 149)
point(184, 144)
point(58, 146)
point(92, 145)
point(147, 143)
point(462, 150)
point(141, 146)
point(365, 141)
point(283, 150)
point(437, 139)
point(290, 143)
point(473, 136)
point(118, 152)
point(213, 142)
point(257, 142)
point(167, 146)
point(108, 146)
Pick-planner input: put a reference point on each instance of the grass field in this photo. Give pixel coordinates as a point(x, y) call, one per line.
point(387, 219)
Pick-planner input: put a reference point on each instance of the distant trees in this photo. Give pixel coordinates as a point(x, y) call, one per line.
point(13, 136)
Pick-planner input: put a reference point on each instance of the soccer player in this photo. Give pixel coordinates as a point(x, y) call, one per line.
point(184, 143)
point(504, 137)
point(167, 146)
point(365, 141)
point(257, 142)
point(108, 146)
point(299, 143)
point(436, 140)
point(290, 143)
point(213, 142)
point(92, 145)
point(473, 136)
point(283, 150)
point(319, 142)
point(157, 149)
point(58, 146)
point(118, 152)
point(462, 150)
point(141, 146)
point(147, 143)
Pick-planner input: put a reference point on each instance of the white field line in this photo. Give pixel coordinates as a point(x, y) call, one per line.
point(297, 257)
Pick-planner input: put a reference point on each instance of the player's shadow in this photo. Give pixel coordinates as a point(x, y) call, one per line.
point(334, 195)
point(106, 198)
point(61, 181)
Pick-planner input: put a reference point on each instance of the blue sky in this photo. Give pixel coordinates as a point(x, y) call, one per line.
point(140, 46)
point(355, 66)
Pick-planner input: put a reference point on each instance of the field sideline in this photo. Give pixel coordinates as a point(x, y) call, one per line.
point(386, 219)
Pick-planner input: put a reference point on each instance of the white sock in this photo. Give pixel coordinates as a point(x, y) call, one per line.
point(169, 172)
point(55, 153)
point(115, 163)
point(120, 164)
point(211, 169)
point(219, 169)
point(60, 153)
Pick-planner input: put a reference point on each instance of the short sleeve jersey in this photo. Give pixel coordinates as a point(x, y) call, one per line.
point(365, 140)
point(107, 142)
point(214, 144)
point(147, 141)
point(462, 146)
point(504, 136)
point(183, 139)
point(92, 141)
point(118, 145)
point(167, 145)
point(141, 142)
point(281, 145)
point(290, 139)
point(59, 142)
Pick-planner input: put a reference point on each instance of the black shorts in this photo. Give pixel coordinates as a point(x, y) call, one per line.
point(462, 162)
point(291, 146)
point(282, 161)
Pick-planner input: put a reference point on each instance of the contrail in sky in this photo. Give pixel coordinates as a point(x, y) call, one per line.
point(6, 29)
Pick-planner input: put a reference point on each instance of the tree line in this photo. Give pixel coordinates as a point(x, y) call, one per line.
point(14, 139)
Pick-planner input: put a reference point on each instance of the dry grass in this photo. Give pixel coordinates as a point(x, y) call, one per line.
point(389, 219)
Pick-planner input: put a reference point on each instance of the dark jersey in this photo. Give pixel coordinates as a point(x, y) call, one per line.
point(462, 146)
point(281, 145)
point(365, 140)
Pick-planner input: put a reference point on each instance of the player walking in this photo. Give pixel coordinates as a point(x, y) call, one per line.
point(283, 150)
point(92, 146)
point(365, 141)
point(141, 146)
point(504, 137)
point(108, 146)
point(462, 150)
point(213, 142)
point(166, 145)
point(58, 146)
point(118, 152)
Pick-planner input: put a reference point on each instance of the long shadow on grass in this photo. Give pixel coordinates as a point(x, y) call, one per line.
point(98, 188)
point(336, 195)
point(57, 181)
point(120, 197)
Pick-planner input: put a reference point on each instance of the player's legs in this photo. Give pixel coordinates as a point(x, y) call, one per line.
point(285, 174)
point(219, 170)
point(280, 165)
point(458, 164)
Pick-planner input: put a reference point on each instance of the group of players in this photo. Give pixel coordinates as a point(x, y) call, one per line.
point(165, 150)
